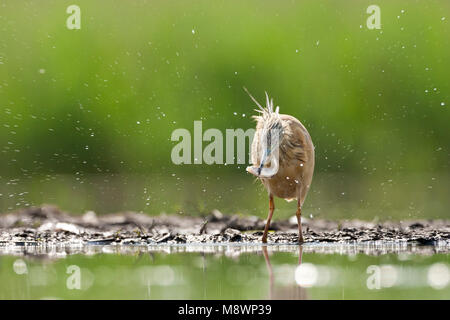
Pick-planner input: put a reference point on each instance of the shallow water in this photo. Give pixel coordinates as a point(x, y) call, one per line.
point(318, 271)
point(328, 271)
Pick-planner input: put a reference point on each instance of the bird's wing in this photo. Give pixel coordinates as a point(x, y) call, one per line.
point(297, 143)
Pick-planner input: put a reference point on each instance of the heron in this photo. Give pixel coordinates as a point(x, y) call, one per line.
point(282, 156)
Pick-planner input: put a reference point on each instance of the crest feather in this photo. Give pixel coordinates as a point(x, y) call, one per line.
point(267, 111)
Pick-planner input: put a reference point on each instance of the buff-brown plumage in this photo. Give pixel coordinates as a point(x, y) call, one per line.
point(293, 175)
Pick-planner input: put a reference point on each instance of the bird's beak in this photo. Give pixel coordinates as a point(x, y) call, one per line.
point(259, 170)
point(256, 171)
point(263, 161)
point(262, 164)
point(265, 172)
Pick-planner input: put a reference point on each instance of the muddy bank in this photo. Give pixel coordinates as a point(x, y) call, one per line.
point(48, 225)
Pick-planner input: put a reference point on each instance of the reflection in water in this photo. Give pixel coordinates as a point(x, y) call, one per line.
point(351, 248)
point(288, 292)
point(222, 272)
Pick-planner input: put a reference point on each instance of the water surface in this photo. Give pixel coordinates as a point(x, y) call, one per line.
point(339, 271)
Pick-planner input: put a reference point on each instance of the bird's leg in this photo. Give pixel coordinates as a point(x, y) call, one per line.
point(299, 221)
point(269, 217)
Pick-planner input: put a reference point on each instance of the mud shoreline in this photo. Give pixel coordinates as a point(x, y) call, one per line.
point(47, 227)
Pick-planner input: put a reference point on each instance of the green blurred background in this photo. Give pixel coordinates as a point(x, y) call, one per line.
point(86, 115)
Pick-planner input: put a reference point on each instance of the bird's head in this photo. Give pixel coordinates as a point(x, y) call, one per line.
point(269, 142)
point(270, 131)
